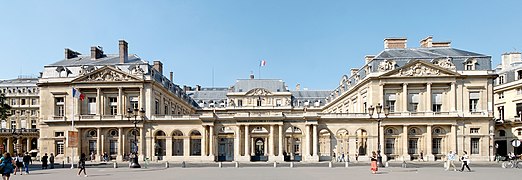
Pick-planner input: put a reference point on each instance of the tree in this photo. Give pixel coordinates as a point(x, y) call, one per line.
point(5, 109)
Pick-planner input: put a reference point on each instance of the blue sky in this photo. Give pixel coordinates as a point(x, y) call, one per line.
point(308, 42)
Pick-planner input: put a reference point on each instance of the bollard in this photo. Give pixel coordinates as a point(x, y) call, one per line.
point(291, 164)
point(387, 164)
point(275, 164)
point(166, 164)
point(115, 165)
point(345, 164)
point(403, 164)
point(63, 164)
point(330, 164)
point(183, 164)
point(237, 164)
point(220, 164)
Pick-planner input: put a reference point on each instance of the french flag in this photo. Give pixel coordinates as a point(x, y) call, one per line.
point(263, 63)
point(78, 94)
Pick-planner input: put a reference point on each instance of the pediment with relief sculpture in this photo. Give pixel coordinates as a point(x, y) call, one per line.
point(419, 68)
point(258, 92)
point(107, 74)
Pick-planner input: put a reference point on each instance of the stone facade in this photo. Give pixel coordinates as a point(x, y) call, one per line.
point(440, 100)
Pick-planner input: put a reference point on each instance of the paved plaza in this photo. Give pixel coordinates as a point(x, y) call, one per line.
point(283, 173)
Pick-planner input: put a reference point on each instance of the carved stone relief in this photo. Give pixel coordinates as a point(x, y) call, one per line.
point(387, 65)
point(446, 63)
point(419, 70)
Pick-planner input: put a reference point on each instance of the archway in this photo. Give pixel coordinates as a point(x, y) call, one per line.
point(361, 137)
point(259, 143)
point(325, 150)
point(226, 144)
point(160, 144)
point(343, 148)
point(177, 143)
point(195, 143)
point(293, 137)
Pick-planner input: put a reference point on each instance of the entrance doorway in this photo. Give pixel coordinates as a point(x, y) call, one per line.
point(259, 150)
point(501, 147)
point(226, 149)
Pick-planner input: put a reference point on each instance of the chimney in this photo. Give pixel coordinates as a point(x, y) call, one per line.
point(69, 53)
point(158, 66)
point(124, 51)
point(442, 44)
point(171, 76)
point(395, 43)
point(198, 88)
point(368, 58)
point(297, 87)
point(96, 52)
point(251, 75)
point(353, 71)
point(427, 42)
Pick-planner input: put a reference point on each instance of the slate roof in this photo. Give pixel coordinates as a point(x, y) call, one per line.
point(19, 82)
point(428, 53)
point(273, 85)
point(109, 59)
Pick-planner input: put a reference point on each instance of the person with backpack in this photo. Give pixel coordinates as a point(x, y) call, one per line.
point(19, 162)
point(6, 163)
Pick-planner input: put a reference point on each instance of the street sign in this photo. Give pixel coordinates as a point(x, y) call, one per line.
point(73, 138)
point(515, 143)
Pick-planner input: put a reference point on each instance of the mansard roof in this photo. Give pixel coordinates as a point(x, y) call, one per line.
point(109, 59)
point(273, 85)
point(425, 53)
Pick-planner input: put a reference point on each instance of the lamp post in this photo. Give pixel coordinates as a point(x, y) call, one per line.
point(135, 113)
point(386, 112)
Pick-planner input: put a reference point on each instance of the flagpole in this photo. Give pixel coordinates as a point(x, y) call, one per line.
point(259, 72)
point(72, 129)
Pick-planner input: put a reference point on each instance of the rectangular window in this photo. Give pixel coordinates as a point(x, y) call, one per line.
point(92, 147)
point(59, 106)
point(22, 102)
point(59, 134)
point(501, 95)
point(259, 102)
point(436, 101)
point(412, 145)
point(156, 107)
point(91, 107)
point(501, 112)
point(519, 75)
point(166, 108)
point(390, 101)
point(113, 105)
point(59, 147)
point(475, 145)
point(34, 101)
point(519, 91)
point(239, 102)
point(33, 124)
point(13, 124)
point(278, 102)
point(133, 100)
point(113, 148)
point(501, 79)
point(436, 145)
point(390, 146)
point(474, 130)
point(473, 101)
point(13, 102)
point(414, 102)
point(519, 109)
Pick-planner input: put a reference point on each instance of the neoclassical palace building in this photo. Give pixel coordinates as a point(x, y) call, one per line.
point(439, 98)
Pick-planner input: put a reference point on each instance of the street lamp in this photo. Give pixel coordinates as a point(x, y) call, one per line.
point(379, 108)
point(135, 113)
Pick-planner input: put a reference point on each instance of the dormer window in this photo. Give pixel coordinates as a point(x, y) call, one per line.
point(500, 79)
point(470, 64)
point(519, 74)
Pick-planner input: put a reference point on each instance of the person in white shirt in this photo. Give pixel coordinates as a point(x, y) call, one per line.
point(465, 161)
point(451, 161)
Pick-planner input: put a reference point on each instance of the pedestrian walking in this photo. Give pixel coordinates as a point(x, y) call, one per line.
point(19, 162)
point(27, 160)
point(450, 161)
point(81, 165)
point(6, 162)
point(93, 156)
point(374, 162)
point(51, 160)
point(465, 161)
point(421, 156)
point(105, 157)
point(44, 161)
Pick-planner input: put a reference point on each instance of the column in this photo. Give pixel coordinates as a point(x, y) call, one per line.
point(272, 140)
point(168, 147)
point(453, 139)
point(237, 142)
point(98, 101)
point(265, 146)
point(308, 139)
point(123, 142)
point(204, 142)
point(280, 140)
point(428, 97)
point(141, 143)
point(382, 138)
point(120, 144)
point(98, 144)
point(211, 141)
point(102, 146)
point(121, 110)
point(28, 144)
point(429, 153)
point(10, 145)
point(453, 95)
point(247, 141)
point(405, 141)
point(405, 97)
point(141, 103)
point(315, 140)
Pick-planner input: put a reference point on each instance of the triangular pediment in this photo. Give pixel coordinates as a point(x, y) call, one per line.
point(419, 68)
point(258, 92)
point(107, 74)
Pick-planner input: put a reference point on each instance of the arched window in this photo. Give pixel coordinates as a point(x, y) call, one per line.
point(195, 143)
point(501, 133)
point(177, 143)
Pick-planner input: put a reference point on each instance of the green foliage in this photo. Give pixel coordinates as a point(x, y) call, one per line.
point(4, 107)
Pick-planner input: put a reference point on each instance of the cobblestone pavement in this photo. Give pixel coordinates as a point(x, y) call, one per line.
point(254, 171)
